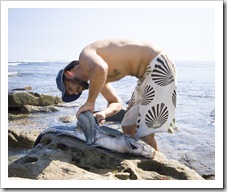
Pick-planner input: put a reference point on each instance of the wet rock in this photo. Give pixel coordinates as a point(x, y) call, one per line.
point(117, 117)
point(17, 99)
point(34, 109)
point(68, 119)
point(64, 158)
point(27, 102)
point(194, 162)
point(16, 116)
point(22, 89)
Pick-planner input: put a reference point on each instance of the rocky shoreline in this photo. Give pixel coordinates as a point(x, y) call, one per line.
point(66, 158)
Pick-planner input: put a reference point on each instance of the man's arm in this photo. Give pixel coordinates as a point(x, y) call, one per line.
point(114, 103)
point(97, 70)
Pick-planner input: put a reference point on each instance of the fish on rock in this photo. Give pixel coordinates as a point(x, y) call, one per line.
point(101, 136)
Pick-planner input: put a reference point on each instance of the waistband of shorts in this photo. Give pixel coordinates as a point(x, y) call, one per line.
point(148, 69)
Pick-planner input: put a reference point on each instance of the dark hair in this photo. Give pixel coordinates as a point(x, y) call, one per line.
point(71, 65)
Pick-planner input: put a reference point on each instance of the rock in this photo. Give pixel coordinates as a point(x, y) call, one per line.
point(22, 138)
point(16, 116)
point(18, 99)
point(117, 117)
point(22, 89)
point(34, 109)
point(45, 100)
point(27, 102)
point(65, 158)
point(68, 119)
point(194, 162)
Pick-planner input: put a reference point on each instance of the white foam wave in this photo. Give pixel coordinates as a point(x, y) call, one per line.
point(17, 62)
point(14, 63)
point(12, 74)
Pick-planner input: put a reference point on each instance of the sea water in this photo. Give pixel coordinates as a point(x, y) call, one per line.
point(195, 111)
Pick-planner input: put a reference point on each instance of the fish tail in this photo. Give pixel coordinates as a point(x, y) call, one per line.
point(38, 139)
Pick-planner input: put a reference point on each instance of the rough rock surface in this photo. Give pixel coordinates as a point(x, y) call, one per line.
point(22, 138)
point(191, 160)
point(65, 158)
point(28, 102)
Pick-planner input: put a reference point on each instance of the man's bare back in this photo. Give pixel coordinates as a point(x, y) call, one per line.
point(123, 57)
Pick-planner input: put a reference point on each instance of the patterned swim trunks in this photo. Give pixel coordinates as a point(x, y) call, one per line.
point(153, 102)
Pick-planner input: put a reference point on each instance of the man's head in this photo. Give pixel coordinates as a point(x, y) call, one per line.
point(70, 86)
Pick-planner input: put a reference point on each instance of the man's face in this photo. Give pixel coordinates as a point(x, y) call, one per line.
point(75, 86)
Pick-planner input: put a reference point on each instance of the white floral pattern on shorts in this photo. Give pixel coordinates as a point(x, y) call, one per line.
point(153, 102)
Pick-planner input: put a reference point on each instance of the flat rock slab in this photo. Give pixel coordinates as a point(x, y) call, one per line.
point(65, 158)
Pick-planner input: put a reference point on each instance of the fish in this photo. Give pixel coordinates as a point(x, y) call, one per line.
point(103, 136)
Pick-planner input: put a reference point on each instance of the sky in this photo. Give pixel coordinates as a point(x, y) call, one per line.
point(46, 33)
point(61, 33)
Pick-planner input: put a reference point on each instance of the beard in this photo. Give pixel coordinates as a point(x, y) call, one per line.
point(84, 85)
point(81, 83)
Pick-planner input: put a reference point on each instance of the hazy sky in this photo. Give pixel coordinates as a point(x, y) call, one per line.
point(61, 33)
point(185, 32)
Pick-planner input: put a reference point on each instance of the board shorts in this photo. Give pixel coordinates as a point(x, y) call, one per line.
point(153, 102)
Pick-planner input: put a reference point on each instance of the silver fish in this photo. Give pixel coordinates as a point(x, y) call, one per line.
point(102, 136)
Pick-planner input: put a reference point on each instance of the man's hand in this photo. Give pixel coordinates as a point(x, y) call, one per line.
point(100, 117)
point(86, 107)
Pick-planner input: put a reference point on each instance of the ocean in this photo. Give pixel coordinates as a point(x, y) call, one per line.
point(195, 111)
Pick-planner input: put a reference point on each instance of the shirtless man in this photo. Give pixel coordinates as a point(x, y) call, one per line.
point(152, 105)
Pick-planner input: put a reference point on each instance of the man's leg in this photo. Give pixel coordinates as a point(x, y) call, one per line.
point(150, 140)
point(129, 130)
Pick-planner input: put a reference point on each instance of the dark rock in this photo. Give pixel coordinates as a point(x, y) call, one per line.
point(22, 89)
point(117, 117)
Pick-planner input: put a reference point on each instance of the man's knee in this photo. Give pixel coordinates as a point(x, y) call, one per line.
point(129, 130)
point(150, 140)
